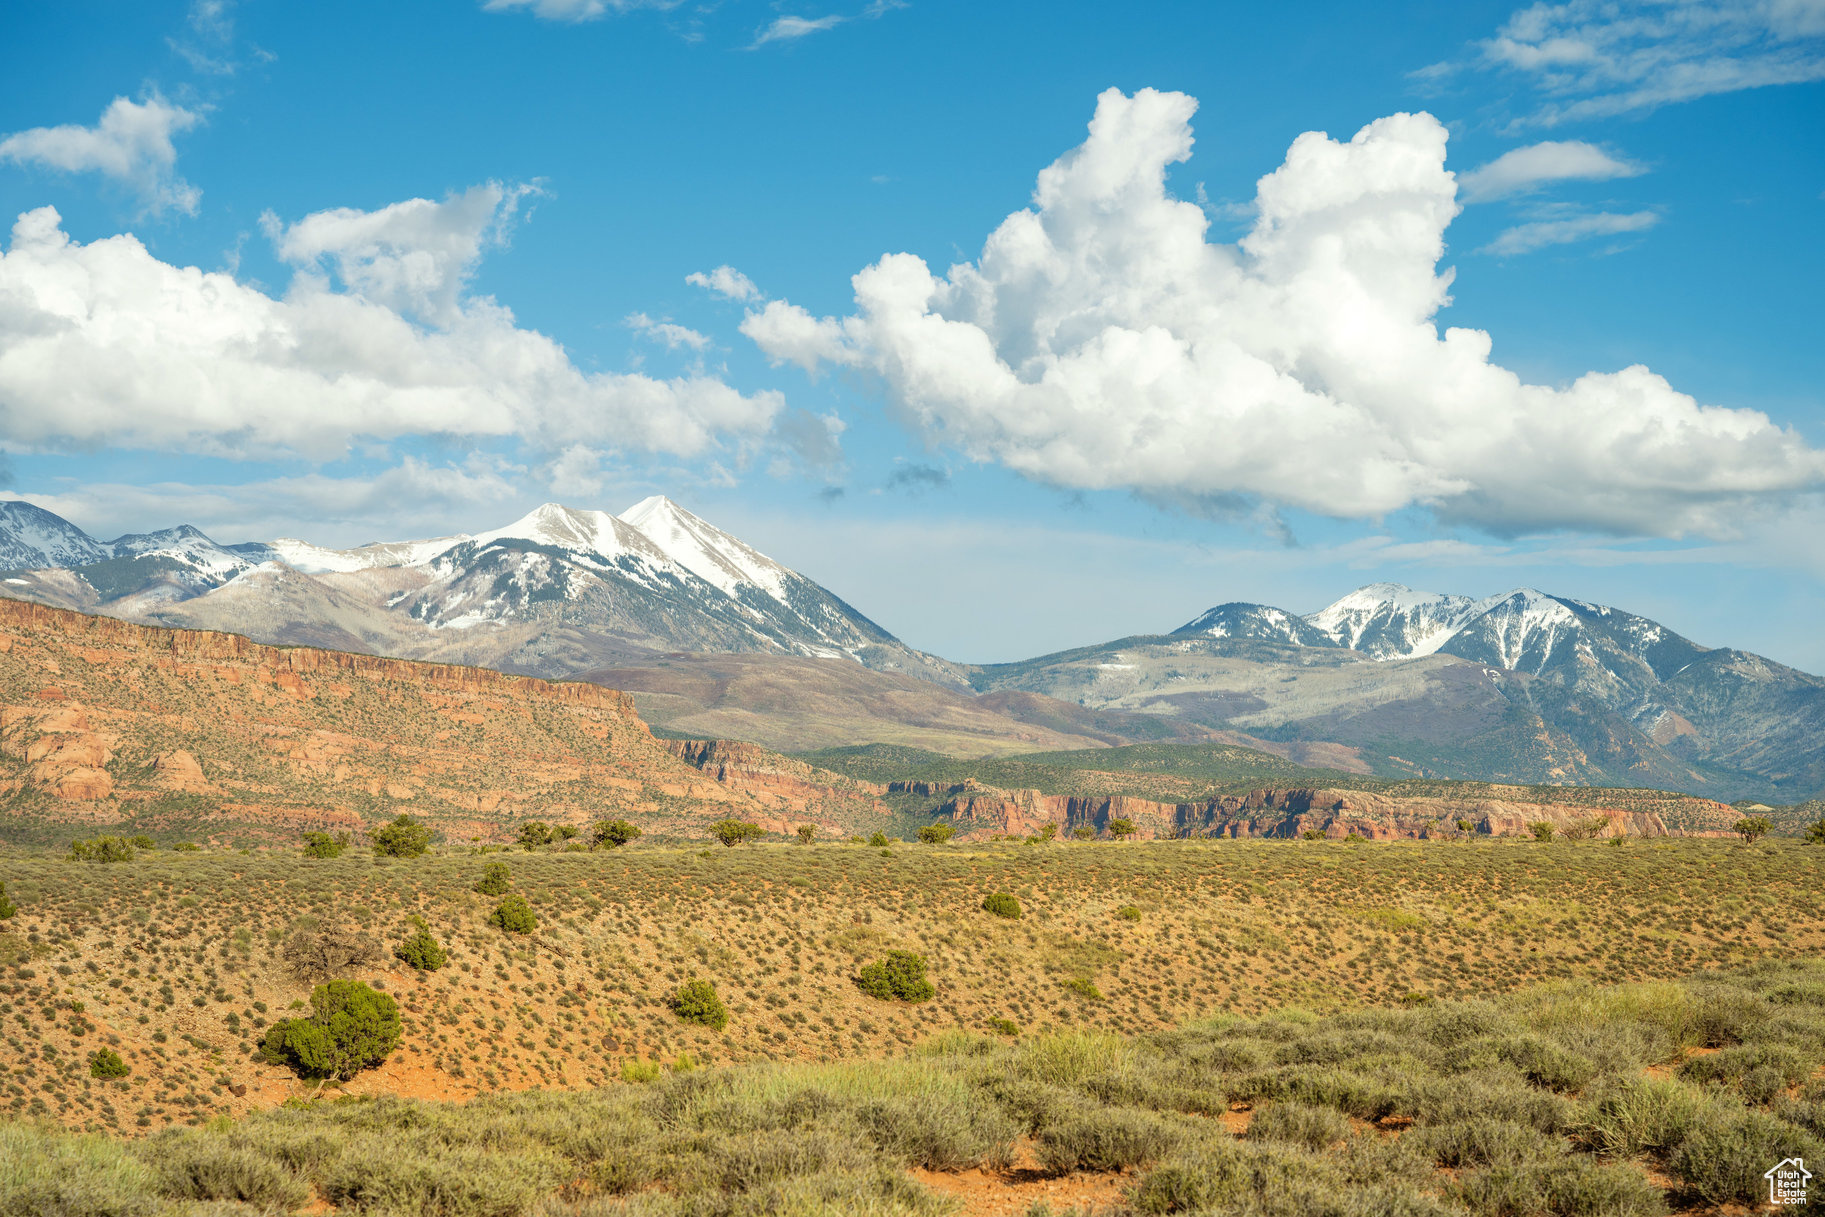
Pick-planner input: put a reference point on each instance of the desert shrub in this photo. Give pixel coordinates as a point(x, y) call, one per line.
point(899, 977)
point(1083, 832)
point(106, 1063)
point(937, 834)
point(1815, 832)
point(195, 1165)
point(1789, 1065)
point(640, 1072)
point(1644, 1115)
point(351, 1027)
point(1129, 912)
point(322, 845)
point(807, 833)
point(1106, 1139)
point(403, 838)
point(736, 832)
point(613, 834)
point(1001, 904)
point(1212, 1174)
point(1004, 1026)
point(1541, 830)
point(1316, 1128)
point(1722, 1159)
point(318, 953)
point(696, 1002)
point(533, 834)
point(1482, 1141)
point(186, 847)
point(514, 915)
point(879, 840)
point(1121, 829)
point(1752, 828)
point(44, 1170)
point(1084, 987)
point(143, 842)
point(101, 849)
point(495, 880)
point(1565, 1189)
point(7, 907)
point(421, 950)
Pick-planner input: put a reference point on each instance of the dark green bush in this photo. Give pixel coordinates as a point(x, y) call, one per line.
point(937, 834)
point(7, 907)
point(1121, 828)
point(696, 1002)
point(351, 1027)
point(403, 838)
point(533, 834)
point(101, 849)
point(514, 915)
point(736, 832)
point(322, 845)
point(879, 840)
point(1129, 912)
point(495, 880)
point(613, 834)
point(142, 841)
point(1002, 905)
point(106, 1063)
point(899, 977)
point(421, 950)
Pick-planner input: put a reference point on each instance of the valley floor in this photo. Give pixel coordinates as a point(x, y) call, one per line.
point(176, 960)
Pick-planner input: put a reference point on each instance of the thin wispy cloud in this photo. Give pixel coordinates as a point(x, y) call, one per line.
point(1600, 58)
point(674, 336)
point(1525, 169)
point(791, 29)
point(575, 10)
point(1568, 229)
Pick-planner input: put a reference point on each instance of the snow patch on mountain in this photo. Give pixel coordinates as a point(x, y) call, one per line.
point(705, 550)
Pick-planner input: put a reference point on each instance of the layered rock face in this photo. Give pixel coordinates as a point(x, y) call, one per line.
point(212, 736)
point(791, 792)
point(980, 812)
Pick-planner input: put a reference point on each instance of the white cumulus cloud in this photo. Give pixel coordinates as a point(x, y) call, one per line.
point(1523, 169)
point(1101, 341)
point(104, 344)
point(726, 282)
point(413, 257)
point(131, 144)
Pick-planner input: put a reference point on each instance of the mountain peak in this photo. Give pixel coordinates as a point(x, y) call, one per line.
point(705, 550)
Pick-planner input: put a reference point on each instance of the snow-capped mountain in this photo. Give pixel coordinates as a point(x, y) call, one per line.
point(554, 592)
point(1257, 621)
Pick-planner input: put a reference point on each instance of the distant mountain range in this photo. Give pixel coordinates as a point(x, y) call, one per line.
point(553, 593)
point(1519, 687)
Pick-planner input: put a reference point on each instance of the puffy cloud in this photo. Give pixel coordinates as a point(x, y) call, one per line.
point(414, 257)
point(790, 29)
point(1101, 341)
point(1563, 229)
point(104, 344)
point(1596, 58)
point(1523, 169)
point(131, 144)
point(673, 335)
point(726, 282)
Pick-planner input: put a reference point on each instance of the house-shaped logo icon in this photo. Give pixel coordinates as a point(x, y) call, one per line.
point(1787, 1182)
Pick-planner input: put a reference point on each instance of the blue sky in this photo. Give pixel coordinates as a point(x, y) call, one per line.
point(408, 269)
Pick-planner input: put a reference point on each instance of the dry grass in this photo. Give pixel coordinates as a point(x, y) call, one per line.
point(176, 960)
